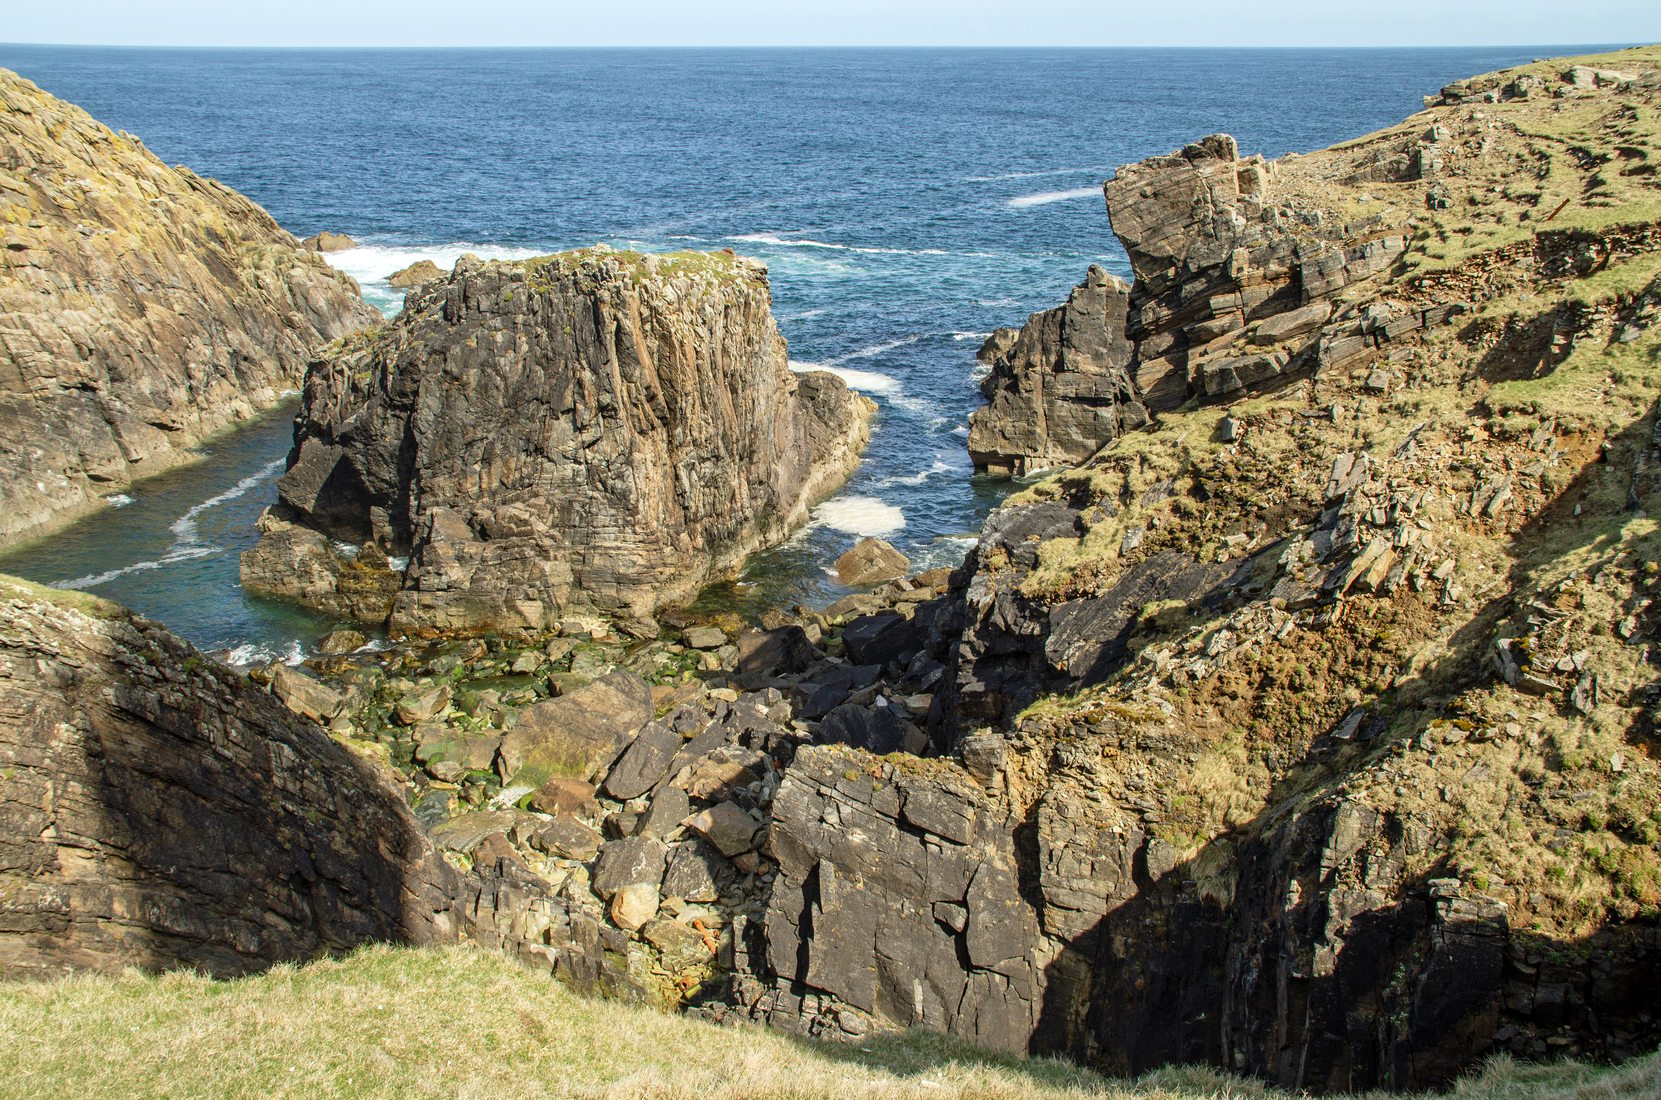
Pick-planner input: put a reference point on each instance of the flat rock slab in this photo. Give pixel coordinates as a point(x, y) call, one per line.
point(305, 696)
point(577, 735)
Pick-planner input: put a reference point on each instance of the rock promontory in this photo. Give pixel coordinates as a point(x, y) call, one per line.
point(142, 309)
point(594, 431)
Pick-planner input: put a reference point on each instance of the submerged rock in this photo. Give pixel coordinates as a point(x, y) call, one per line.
point(142, 309)
point(593, 431)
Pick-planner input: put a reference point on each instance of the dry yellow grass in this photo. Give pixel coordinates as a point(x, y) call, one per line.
point(463, 1023)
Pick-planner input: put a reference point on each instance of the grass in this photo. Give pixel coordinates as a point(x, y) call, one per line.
point(461, 1022)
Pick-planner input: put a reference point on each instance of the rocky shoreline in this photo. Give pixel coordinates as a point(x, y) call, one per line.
point(1303, 724)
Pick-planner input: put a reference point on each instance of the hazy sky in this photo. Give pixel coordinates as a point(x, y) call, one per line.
point(843, 22)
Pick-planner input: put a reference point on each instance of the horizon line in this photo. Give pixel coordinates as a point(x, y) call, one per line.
point(1372, 46)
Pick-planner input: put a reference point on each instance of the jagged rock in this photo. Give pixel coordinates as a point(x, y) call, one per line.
point(561, 795)
point(418, 706)
point(695, 872)
point(342, 641)
point(1059, 388)
point(567, 837)
point(870, 562)
point(670, 806)
point(588, 432)
point(143, 309)
point(842, 918)
point(876, 729)
point(421, 271)
point(679, 946)
point(437, 743)
point(879, 639)
point(576, 735)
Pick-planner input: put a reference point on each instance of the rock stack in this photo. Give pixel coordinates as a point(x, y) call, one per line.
point(589, 432)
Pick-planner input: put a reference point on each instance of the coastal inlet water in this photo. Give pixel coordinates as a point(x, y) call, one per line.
point(907, 202)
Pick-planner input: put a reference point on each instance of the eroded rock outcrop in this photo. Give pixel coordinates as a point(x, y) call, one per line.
point(1058, 387)
point(158, 811)
point(142, 309)
point(593, 431)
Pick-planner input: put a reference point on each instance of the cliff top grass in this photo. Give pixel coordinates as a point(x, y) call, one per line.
point(464, 1023)
point(719, 266)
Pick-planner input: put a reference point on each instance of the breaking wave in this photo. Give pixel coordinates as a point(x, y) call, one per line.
point(1044, 198)
point(859, 516)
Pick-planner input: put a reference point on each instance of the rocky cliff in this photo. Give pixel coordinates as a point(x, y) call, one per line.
point(1317, 717)
point(592, 431)
point(142, 309)
point(158, 810)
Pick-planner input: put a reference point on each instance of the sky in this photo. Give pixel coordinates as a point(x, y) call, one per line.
point(836, 23)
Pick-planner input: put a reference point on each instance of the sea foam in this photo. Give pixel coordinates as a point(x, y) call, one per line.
point(859, 516)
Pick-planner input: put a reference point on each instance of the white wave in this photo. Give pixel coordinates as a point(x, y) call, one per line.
point(347, 550)
point(294, 654)
point(962, 430)
point(970, 335)
point(948, 550)
point(1034, 175)
point(859, 516)
point(247, 654)
point(864, 381)
point(919, 406)
point(878, 349)
point(1044, 198)
point(373, 263)
point(996, 303)
point(118, 500)
point(184, 528)
point(398, 564)
point(940, 467)
point(172, 557)
point(777, 241)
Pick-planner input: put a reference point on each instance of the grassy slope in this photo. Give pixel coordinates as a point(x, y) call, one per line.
point(464, 1023)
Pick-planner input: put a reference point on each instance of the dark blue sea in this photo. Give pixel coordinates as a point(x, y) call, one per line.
point(906, 201)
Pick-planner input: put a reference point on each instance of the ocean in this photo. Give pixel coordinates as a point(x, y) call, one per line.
point(907, 202)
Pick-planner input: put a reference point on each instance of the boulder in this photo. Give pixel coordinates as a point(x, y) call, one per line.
point(727, 826)
point(595, 432)
point(565, 796)
point(631, 861)
point(644, 763)
point(577, 735)
point(706, 637)
point(566, 837)
point(341, 641)
point(327, 241)
point(421, 271)
point(870, 562)
point(422, 704)
point(633, 905)
point(696, 872)
point(304, 695)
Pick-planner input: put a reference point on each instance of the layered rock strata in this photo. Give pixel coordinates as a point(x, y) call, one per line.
point(142, 309)
point(592, 431)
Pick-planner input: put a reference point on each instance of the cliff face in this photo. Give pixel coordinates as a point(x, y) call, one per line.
point(1058, 387)
point(157, 811)
point(1321, 726)
point(142, 308)
point(590, 431)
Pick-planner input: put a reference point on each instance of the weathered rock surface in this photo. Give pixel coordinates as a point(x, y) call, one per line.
point(870, 561)
point(421, 271)
point(1058, 387)
point(593, 431)
point(142, 309)
point(157, 811)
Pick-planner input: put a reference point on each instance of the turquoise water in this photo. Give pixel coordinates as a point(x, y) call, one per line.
point(906, 201)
